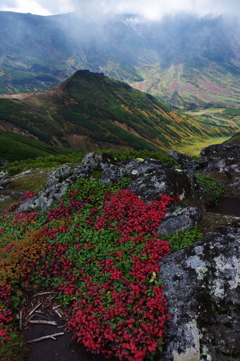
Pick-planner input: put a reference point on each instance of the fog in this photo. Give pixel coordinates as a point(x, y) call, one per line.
point(151, 9)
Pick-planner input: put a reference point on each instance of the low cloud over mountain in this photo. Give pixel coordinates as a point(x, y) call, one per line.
point(152, 9)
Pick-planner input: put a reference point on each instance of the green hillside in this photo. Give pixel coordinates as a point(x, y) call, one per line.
point(90, 111)
point(17, 147)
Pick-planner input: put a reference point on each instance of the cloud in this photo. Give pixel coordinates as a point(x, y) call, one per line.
point(25, 6)
point(151, 9)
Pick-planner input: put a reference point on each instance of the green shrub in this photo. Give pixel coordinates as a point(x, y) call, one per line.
point(126, 154)
point(183, 239)
point(212, 189)
point(14, 349)
point(41, 162)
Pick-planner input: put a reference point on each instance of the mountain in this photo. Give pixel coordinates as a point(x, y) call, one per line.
point(90, 111)
point(186, 60)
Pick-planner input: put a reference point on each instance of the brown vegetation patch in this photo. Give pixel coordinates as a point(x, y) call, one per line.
point(10, 127)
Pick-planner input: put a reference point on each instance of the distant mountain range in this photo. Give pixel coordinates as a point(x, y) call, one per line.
point(188, 61)
point(89, 111)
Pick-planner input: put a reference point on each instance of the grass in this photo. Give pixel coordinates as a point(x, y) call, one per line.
point(233, 112)
point(14, 349)
point(17, 185)
point(126, 154)
point(193, 147)
point(16, 147)
point(183, 239)
point(212, 189)
point(235, 138)
point(49, 161)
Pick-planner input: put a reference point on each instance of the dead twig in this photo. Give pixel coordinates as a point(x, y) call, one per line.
point(58, 313)
point(20, 320)
point(65, 325)
point(30, 315)
point(44, 293)
point(56, 307)
point(46, 337)
point(33, 310)
point(27, 320)
point(44, 322)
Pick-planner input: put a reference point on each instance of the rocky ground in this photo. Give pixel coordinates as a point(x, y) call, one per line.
point(211, 265)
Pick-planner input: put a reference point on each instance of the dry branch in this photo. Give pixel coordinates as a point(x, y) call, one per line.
point(58, 313)
point(20, 320)
point(30, 315)
point(46, 337)
point(44, 322)
point(34, 309)
point(44, 293)
point(27, 320)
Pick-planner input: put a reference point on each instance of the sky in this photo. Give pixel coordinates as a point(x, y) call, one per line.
point(151, 9)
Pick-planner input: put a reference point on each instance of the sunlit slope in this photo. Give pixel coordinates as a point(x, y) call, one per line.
point(187, 87)
point(90, 111)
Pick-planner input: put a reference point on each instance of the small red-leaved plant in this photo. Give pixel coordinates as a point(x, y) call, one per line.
point(101, 252)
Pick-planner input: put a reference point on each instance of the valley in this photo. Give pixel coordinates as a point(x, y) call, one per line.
point(193, 147)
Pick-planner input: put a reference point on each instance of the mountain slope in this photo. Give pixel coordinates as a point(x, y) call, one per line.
point(90, 111)
point(198, 61)
point(187, 60)
point(17, 147)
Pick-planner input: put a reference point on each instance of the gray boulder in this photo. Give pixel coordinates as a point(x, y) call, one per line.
point(179, 219)
point(129, 169)
point(56, 186)
point(164, 180)
point(97, 162)
point(202, 287)
point(216, 150)
point(233, 172)
point(185, 161)
point(221, 157)
point(150, 178)
point(220, 165)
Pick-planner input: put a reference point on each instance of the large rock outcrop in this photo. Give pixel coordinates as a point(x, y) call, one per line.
point(149, 178)
point(223, 158)
point(203, 292)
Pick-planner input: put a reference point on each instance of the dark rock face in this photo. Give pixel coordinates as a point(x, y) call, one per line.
point(161, 180)
point(223, 158)
point(202, 289)
point(179, 219)
point(220, 149)
point(186, 162)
